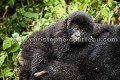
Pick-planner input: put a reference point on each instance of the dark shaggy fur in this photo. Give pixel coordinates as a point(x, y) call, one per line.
point(105, 58)
point(98, 60)
point(88, 61)
point(39, 53)
point(63, 71)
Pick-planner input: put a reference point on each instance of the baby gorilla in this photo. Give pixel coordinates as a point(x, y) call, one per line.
point(79, 26)
point(38, 50)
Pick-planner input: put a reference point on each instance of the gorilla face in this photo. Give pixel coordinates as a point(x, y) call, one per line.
point(79, 34)
point(79, 27)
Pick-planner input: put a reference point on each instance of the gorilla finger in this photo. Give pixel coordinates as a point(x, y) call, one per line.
point(40, 74)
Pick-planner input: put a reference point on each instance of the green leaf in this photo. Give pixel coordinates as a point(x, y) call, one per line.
point(6, 44)
point(2, 59)
point(3, 53)
point(11, 3)
point(8, 74)
point(105, 12)
point(7, 71)
point(110, 15)
point(111, 3)
point(15, 35)
point(14, 47)
point(14, 58)
point(31, 15)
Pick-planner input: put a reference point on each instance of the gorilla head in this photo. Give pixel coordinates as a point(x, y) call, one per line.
point(79, 25)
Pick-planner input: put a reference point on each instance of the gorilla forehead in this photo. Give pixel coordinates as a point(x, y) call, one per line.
point(81, 17)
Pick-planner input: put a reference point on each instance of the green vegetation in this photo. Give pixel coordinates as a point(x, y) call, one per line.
point(19, 18)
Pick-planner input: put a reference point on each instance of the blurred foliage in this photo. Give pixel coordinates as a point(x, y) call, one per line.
point(19, 18)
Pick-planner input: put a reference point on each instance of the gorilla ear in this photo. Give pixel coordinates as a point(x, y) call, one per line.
point(21, 61)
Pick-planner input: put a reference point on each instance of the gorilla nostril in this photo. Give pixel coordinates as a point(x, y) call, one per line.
point(77, 35)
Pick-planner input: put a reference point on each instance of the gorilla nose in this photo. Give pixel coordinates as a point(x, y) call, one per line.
point(77, 35)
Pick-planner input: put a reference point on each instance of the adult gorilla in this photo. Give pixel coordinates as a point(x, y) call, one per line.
point(38, 52)
point(92, 60)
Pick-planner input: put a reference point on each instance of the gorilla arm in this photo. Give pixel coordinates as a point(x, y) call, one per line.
point(36, 52)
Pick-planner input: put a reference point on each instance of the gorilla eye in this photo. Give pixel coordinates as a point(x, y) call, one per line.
point(83, 30)
point(75, 29)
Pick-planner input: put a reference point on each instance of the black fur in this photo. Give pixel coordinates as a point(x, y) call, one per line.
point(98, 60)
point(63, 71)
point(39, 53)
point(105, 58)
point(88, 61)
